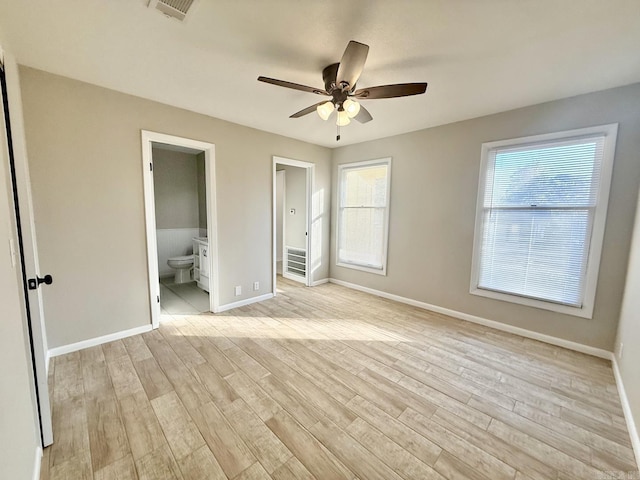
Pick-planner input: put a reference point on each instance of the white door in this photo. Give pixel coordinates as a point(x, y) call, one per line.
point(14, 152)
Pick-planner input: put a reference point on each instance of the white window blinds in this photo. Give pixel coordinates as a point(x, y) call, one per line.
point(537, 217)
point(363, 199)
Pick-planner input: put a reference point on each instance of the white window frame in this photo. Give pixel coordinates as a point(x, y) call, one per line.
point(385, 245)
point(597, 232)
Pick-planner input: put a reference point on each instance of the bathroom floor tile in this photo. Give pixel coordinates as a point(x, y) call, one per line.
point(182, 299)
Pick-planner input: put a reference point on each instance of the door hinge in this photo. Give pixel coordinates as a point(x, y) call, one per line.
point(150, 167)
point(158, 298)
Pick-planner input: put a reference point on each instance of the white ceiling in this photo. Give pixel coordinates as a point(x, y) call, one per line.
point(478, 56)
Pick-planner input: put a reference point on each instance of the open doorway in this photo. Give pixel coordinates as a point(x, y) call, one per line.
point(181, 229)
point(181, 225)
point(292, 186)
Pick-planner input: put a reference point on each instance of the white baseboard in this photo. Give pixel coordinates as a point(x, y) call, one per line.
point(37, 465)
point(560, 342)
point(92, 342)
point(626, 408)
point(242, 303)
point(319, 282)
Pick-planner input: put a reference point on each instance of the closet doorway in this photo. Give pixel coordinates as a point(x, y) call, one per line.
point(292, 189)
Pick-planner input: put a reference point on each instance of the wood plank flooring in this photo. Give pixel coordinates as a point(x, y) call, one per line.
point(330, 383)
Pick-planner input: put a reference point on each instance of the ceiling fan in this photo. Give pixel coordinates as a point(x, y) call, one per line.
point(340, 83)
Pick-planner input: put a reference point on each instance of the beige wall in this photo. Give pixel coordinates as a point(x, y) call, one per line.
point(202, 191)
point(175, 183)
point(86, 172)
point(19, 434)
point(629, 329)
point(433, 200)
point(295, 226)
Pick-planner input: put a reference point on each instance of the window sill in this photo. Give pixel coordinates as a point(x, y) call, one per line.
point(363, 268)
point(586, 311)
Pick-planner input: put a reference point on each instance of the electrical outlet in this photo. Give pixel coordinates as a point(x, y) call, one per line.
point(238, 290)
point(256, 286)
point(620, 350)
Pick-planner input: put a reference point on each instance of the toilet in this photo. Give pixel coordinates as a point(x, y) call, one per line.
point(182, 266)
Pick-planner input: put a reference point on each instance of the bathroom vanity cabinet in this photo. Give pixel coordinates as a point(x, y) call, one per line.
point(201, 262)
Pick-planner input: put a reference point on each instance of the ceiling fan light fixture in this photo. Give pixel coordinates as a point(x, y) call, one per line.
point(343, 118)
point(351, 107)
point(325, 110)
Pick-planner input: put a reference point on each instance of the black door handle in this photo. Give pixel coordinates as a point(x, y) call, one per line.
point(34, 283)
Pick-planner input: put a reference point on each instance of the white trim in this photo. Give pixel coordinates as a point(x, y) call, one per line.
point(626, 408)
point(37, 464)
point(211, 193)
point(310, 179)
point(597, 231)
point(92, 342)
point(560, 342)
point(291, 162)
point(385, 241)
point(242, 303)
point(320, 282)
point(584, 312)
point(148, 138)
point(150, 224)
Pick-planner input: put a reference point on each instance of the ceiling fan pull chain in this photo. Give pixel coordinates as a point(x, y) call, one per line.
point(337, 133)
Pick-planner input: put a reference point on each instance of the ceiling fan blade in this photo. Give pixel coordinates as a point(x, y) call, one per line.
point(295, 86)
point(363, 115)
point(391, 91)
point(352, 63)
point(306, 111)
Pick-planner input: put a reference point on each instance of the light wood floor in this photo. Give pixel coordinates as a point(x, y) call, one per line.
point(329, 383)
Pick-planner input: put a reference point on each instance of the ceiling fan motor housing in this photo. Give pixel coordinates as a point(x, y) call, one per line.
point(329, 75)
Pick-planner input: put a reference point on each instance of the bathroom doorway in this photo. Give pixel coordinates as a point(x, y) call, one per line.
point(292, 187)
point(180, 220)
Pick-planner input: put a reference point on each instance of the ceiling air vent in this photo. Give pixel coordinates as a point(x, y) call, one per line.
point(172, 8)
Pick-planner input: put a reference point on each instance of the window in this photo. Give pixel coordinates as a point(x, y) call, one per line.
point(542, 203)
point(363, 215)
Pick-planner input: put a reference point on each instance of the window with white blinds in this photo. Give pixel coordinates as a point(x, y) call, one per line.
point(540, 219)
point(363, 215)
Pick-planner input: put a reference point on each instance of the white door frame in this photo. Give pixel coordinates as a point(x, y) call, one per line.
point(310, 170)
point(27, 236)
point(148, 138)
